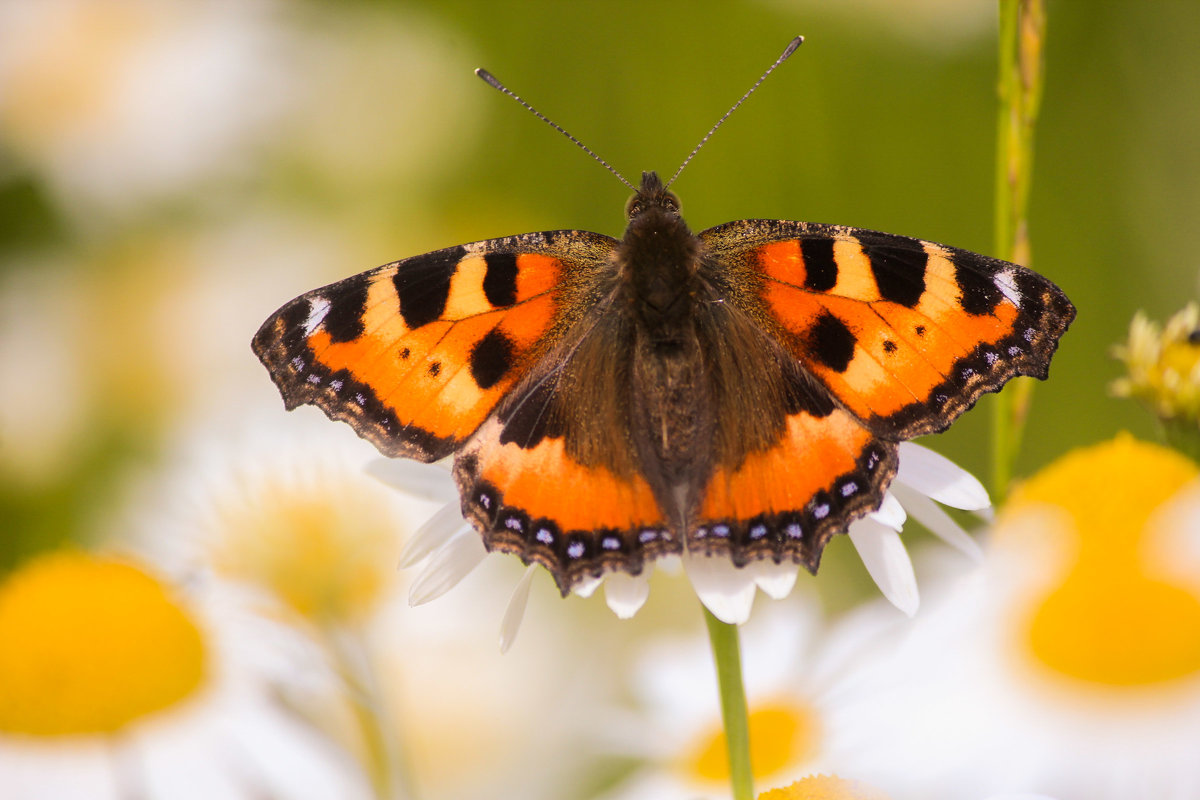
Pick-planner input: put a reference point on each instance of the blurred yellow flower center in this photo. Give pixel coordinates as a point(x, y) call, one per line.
point(1115, 618)
point(328, 553)
point(88, 645)
point(782, 734)
point(823, 787)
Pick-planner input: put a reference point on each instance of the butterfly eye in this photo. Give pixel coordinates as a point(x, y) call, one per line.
point(670, 203)
point(632, 208)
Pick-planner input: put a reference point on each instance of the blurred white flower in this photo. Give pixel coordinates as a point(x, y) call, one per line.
point(115, 686)
point(116, 102)
point(121, 104)
point(820, 700)
point(146, 330)
point(384, 101)
point(1070, 664)
point(282, 505)
point(795, 676)
point(448, 549)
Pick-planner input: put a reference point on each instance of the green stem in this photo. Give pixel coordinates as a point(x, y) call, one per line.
point(391, 777)
point(1021, 71)
point(728, 660)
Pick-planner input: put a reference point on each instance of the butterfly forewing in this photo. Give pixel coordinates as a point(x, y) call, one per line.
point(415, 355)
point(906, 334)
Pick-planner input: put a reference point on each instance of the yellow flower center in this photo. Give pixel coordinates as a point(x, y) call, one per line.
point(1117, 616)
point(88, 645)
point(782, 734)
point(824, 787)
point(328, 553)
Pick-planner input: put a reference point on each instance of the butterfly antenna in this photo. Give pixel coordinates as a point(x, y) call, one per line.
point(490, 79)
point(791, 48)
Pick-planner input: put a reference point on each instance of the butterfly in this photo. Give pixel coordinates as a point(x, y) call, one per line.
point(738, 392)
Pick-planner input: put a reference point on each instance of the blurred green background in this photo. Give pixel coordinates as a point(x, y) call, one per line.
point(153, 212)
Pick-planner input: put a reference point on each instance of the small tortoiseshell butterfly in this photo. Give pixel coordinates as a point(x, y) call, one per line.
point(739, 392)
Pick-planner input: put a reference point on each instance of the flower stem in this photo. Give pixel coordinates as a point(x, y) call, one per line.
point(390, 775)
point(1022, 67)
point(728, 660)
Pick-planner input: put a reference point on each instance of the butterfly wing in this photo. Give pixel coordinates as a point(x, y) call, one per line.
point(903, 334)
point(907, 334)
point(416, 354)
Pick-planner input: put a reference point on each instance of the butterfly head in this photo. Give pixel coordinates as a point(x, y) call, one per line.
point(652, 198)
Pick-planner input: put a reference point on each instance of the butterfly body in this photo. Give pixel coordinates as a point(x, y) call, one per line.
point(737, 393)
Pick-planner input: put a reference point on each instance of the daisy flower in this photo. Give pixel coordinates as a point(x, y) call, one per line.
point(795, 673)
point(802, 677)
point(312, 545)
point(448, 549)
point(115, 686)
point(1070, 664)
point(309, 549)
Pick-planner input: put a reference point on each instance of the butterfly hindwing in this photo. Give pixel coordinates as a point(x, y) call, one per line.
point(416, 354)
point(906, 334)
point(785, 502)
point(536, 499)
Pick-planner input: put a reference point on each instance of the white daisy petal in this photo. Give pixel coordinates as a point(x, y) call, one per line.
point(887, 562)
point(725, 590)
point(516, 609)
point(443, 526)
point(586, 586)
point(930, 514)
point(776, 580)
point(940, 478)
point(625, 594)
point(449, 565)
point(890, 513)
point(429, 481)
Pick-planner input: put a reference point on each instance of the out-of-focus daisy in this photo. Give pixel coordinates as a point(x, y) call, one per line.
point(310, 543)
point(449, 549)
point(120, 104)
point(1070, 665)
point(318, 538)
point(283, 506)
point(114, 686)
point(797, 673)
point(115, 102)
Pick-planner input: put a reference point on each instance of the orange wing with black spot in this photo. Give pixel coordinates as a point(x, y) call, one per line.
point(416, 354)
point(906, 334)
